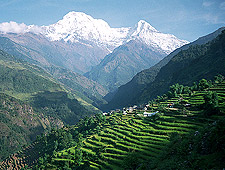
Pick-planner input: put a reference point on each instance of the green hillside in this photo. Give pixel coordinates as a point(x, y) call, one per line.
point(129, 94)
point(84, 88)
point(119, 67)
point(21, 79)
point(32, 84)
point(20, 124)
point(188, 66)
point(133, 141)
point(32, 102)
point(87, 91)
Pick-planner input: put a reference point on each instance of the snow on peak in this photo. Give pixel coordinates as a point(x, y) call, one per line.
point(80, 27)
point(83, 28)
point(146, 33)
point(143, 25)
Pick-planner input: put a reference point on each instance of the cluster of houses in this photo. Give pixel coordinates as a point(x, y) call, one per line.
point(145, 109)
point(131, 110)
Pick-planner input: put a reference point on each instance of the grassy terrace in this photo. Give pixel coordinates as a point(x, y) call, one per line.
point(145, 136)
point(121, 135)
point(126, 134)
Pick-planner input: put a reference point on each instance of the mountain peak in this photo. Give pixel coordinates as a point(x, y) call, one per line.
point(142, 24)
point(80, 27)
point(76, 15)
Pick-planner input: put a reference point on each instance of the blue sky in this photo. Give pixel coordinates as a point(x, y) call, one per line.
point(186, 19)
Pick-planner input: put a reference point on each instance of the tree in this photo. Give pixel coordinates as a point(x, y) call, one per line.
point(219, 78)
point(187, 90)
point(211, 102)
point(194, 87)
point(203, 84)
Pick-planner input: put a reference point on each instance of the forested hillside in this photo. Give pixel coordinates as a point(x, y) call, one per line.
point(32, 102)
point(141, 84)
point(188, 66)
point(123, 63)
point(127, 94)
point(87, 91)
point(188, 135)
point(20, 124)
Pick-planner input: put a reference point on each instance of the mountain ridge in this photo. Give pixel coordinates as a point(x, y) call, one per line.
point(82, 28)
point(127, 94)
point(123, 63)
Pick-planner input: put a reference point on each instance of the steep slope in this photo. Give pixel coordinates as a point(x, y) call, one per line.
point(31, 102)
point(75, 56)
point(144, 47)
point(20, 124)
point(31, 83)
point(188, 66)
point(84, 88)
point(185, 137)
point(80, 27)
point(21, 52)
point(123, 63)
point(128, 93)
point(20, 78)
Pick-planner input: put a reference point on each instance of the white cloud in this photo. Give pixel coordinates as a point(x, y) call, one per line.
point(35, 29)
point(13, 27)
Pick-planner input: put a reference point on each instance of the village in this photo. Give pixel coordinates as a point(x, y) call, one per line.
point(148, 110)
point(139, 110)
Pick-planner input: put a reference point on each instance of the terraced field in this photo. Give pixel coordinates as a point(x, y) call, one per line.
point(129, 134)
point(145, 137)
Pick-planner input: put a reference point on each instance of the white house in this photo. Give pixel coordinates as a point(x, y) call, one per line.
point(124, 112)
point(146, 114)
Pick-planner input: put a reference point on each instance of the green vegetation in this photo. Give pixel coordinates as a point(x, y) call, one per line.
point(20, 124)
point(203, 149)
point(31, 83)
point(123, 63)
point(82, 87)
point(189, 66)
point(203, 58)
point(22, 80)
point(185, 136)
point(185, 130)
point(59, 105)
point(32, 102)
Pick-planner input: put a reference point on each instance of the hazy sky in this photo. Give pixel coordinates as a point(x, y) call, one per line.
point(186, 19)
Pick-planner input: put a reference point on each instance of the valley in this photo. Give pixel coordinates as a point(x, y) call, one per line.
point(114, 141)
point(78, 93)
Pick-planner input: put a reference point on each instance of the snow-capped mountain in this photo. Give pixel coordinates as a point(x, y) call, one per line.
point(79, 27)
point(79, 42)
point(149, 35)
